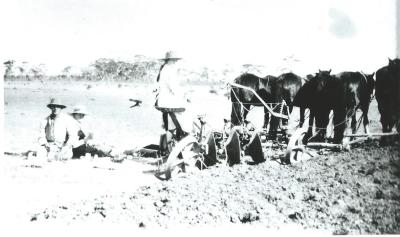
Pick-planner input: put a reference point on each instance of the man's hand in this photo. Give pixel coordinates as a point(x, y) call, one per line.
point(88, 137)
point(65, 152)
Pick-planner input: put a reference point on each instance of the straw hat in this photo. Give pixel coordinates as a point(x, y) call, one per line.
point(55, 102)
point(79, 109)
point(171, 55)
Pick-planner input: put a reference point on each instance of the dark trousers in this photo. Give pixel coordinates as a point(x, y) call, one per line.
point(179, 131)
point(165, 139)
point(81, 150)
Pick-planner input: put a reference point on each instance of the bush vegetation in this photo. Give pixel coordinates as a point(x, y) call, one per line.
point(139, 70)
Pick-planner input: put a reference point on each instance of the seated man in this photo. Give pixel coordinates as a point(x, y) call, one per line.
point(55, 131)
point(83, 136)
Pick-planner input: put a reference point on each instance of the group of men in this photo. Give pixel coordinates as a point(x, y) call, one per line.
point(63, 136)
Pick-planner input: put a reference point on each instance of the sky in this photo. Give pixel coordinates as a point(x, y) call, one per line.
point(319, 34)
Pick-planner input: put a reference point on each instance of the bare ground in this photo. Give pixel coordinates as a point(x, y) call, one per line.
point(356, 192)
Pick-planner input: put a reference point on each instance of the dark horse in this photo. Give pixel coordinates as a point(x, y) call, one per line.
point(321, 94)
point(271, 89)
point(284, 88)
point(239, 96)
point(358, 90)
point(387, 91)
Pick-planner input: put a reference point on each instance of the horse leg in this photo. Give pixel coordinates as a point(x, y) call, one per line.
point(353, 123)
point(398, 124)
point(364, 109)
point(236, 114)
point(274, 124)
point(288, 111)
point(384, 124)
point(311, 119)
point(273, 127)
point(266, 118)
point(321, 121)
point(392, 121)
point(385, 128)
point(397, 119)
point(246, 110)
point(339, 122)
point(310, 126)
point(302, 111)
point(383, 106)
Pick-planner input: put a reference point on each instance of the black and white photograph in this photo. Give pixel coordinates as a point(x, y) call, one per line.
point(224, 116)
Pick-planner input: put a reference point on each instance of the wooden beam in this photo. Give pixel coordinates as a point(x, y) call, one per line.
point(372, 134)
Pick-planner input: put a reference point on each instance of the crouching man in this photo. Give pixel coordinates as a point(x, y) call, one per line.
point(55, 134)
point(83, 136)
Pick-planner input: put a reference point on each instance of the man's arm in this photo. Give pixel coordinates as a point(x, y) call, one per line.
point(42, 140)
point(72, 129)
point(42, 133)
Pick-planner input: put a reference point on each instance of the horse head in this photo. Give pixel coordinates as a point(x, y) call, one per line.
point(321, 79)
point(394, 67)
point(324, 73)
point(394, 62)
point(370, 82)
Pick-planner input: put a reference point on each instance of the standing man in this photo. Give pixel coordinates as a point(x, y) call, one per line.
point(171, 99)
point(55, 133)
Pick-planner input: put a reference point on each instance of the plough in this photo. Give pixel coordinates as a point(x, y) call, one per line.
point(201, 149)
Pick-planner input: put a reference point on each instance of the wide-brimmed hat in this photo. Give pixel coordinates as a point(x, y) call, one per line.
point(56, 102)
point(171, 55)
point(79, 109)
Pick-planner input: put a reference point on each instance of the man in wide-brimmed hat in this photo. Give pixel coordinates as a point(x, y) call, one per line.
point(171, 98)
point(55, 130)
point(83, 136)
point(170, 93)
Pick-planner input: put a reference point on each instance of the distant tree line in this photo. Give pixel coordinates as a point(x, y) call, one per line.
point(103, 69)
point(141, 69)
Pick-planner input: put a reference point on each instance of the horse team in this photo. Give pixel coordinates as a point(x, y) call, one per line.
point(343, 93)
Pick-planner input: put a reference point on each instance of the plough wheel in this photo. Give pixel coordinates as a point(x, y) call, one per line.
point(254, 149)
point(232, 148)
point(210, 157)
point(180, 156)
point(295, 148)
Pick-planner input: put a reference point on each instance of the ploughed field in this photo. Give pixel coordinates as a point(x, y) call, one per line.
point(337, 192)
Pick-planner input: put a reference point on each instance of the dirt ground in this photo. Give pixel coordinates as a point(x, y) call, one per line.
point(353, 192)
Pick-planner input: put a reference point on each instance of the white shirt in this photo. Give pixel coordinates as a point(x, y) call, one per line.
point(79, 125)
point(58, 130)
point(171, 94)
